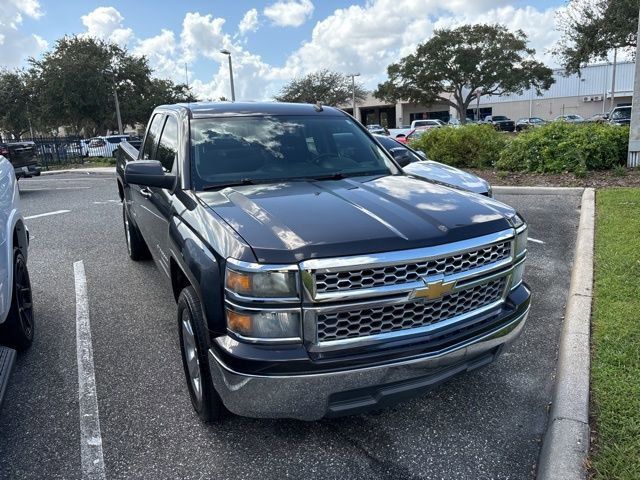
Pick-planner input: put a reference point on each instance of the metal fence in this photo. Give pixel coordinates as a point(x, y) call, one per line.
point(54, 151)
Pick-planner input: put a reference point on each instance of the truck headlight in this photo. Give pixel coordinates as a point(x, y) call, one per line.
point(520, 247)
point(261, 281)
point(263, 324)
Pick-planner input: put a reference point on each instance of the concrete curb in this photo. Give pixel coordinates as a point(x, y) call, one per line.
point(90, 171)
point(511, 190)
point(566, 442)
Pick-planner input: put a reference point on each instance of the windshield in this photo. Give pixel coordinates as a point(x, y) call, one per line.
point(272, 148)
point(499, 118)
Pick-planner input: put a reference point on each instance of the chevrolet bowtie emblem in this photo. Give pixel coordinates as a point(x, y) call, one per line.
point(434, 289)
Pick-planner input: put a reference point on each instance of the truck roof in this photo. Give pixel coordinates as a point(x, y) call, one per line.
point(209, 109)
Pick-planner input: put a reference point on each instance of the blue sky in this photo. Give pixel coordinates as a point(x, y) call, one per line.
point(278, 39)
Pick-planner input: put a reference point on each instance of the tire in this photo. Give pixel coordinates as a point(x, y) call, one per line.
point(18, 329)
point(136, 246)
point(193, 345)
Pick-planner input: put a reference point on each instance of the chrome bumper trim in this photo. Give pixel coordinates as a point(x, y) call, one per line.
point(307, 397)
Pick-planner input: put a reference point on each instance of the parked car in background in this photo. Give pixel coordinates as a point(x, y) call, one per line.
point(598, 118)
point(620, 116)
point(433, 123)
point(403, 131)
point(414, 162)
point(455, 122)
point(16, 306)
point(374, 126)
point(23, 156)
point(412, 135)
point(571, 118)
point(524, 123)
point(105, 146)
point(312, 276)
point(501, 123)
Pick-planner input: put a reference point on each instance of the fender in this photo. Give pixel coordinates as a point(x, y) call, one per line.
point(202, 268)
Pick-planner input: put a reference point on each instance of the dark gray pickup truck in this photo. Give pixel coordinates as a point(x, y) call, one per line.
point(313, 278)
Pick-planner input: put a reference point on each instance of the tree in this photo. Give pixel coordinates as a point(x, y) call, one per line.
point(325, 86)
point(591, 29)
point(75, 85)
point(456, 66)
point(16, 98)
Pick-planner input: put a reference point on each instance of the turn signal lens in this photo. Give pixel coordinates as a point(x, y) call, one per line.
point(239, 322)
point(239, 282)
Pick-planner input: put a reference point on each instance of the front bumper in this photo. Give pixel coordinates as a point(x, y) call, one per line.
point(317, 395)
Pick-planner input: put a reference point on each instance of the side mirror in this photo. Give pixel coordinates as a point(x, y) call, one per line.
point(421, 154)
point(148, 173)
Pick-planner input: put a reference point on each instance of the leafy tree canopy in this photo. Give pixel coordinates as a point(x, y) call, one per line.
point(325, 86)
point(75, 84)
point(15, 102)
point(592, 28)
point(457, 65)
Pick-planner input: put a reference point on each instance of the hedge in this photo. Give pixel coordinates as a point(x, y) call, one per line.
point(564, 147)
point(554, 148)
point(472, 146)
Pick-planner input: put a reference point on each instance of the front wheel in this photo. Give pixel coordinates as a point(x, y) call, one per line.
point(193, 345)
point(17, 331)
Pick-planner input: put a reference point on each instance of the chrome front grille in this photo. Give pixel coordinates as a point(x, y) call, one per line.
point(411, 272)
point(361, 322)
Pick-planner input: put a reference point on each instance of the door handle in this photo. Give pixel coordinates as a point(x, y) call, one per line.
point(145, 192)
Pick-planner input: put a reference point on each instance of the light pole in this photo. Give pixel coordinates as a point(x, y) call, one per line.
point(353, 92)
point(478, 95)
point(233, 91)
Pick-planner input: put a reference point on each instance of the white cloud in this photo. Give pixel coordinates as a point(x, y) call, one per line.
point(15, 45)
point(106, 23)
point(249, 22)
point(203, 35)
point(160, 51)
point(291, 13)
point(350, 38)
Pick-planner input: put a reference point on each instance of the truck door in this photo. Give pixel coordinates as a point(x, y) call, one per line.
point(157, 207)
point(139, 195)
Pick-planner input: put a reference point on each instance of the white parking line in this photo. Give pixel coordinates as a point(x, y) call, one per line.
point(91, 456)
point(22, 189)
point(535, 240)
point(57, 212)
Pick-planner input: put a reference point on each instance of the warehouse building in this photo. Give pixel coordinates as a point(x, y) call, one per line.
point(585, 95)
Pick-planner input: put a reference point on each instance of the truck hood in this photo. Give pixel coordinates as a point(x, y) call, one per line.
point(293, 221)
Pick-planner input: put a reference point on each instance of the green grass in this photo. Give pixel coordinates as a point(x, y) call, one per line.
point(91, 162)
point(615, 371)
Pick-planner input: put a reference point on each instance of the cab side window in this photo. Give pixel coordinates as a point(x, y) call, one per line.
point(168, 145)
point(151, 142)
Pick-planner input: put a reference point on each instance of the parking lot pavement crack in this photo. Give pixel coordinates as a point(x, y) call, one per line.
point(385, 469)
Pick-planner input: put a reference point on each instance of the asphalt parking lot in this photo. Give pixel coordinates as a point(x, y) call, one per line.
point(484, 424)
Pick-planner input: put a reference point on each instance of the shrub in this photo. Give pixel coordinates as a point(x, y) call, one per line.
point(561, 147)
point(474, 146)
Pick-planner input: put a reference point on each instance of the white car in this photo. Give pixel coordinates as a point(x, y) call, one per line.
point(16, 307)
point(105, 146)
point(420, 124)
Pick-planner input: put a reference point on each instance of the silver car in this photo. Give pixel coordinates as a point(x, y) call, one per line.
point(16, 306)
point(416, 163)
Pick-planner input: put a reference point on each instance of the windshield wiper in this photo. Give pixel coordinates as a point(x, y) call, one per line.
point(339, 175)
point(232, 183)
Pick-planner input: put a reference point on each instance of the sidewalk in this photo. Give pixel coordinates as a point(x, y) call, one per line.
point(89, 171)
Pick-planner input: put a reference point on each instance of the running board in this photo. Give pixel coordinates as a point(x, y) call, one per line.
point(7, 358)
